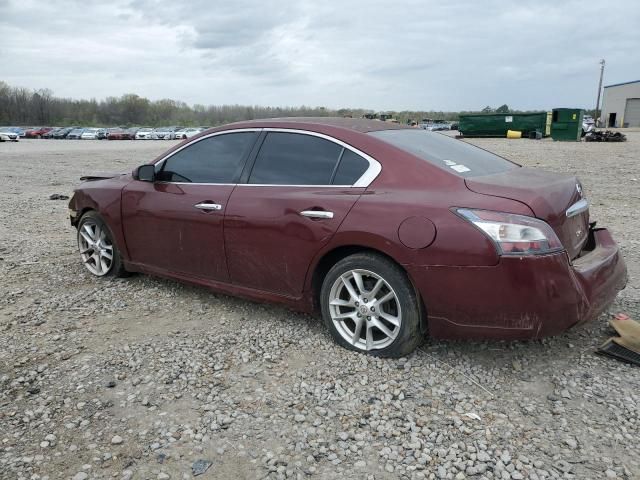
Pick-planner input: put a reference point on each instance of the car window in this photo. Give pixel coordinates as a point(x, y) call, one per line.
point(350, 168)
point(455, 156)
point(295, 159)
point(216, 159)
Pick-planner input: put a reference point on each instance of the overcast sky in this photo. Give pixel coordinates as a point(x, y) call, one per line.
point(383, 55)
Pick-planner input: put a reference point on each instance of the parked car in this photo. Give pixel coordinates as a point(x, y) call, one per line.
point(187, 133)
point(164, 133)
point(389, 231)
point(144, 133)
point(28, 132)
point(120, 134)
point(62, 133)
point(159, 133)
point(50, 133)
point(38, 132)
point(7, 135)
point(17, 130)
point(172, 134)
point(75, 134)
point(101, 134)
point(90, 134)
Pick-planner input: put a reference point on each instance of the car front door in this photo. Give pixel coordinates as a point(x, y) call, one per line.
point(174, 225)
point(297, 192)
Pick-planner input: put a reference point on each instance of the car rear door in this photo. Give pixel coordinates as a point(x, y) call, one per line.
point(297, 190)
point(174, 224)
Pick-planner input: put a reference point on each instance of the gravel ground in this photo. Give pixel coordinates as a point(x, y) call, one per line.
point(147, 378)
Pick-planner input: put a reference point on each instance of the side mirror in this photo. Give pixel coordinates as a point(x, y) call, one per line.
point(146, 173)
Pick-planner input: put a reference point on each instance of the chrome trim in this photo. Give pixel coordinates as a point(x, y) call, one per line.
point(194, 183)
point(367, 177)
point(208, 206)
point(291, 185)
point(577, 208)
point(317, 214)
point(364, 181)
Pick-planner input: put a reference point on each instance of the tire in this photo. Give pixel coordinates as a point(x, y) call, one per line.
point(390, 328)
point(92, 232)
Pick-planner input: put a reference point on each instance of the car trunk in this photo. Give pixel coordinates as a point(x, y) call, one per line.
point(548, 195)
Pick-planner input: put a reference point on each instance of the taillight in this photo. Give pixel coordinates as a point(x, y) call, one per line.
point(514, 234)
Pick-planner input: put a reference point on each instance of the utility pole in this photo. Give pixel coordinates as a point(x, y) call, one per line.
point(599, 90)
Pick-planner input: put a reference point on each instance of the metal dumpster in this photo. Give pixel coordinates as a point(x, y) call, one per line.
point(566, 124)
point(497, 124)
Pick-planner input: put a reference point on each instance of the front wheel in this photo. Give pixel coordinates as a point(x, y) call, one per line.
point(98, 251)
point(369, 305)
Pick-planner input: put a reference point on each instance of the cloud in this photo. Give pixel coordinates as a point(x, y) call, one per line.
point(377, 54)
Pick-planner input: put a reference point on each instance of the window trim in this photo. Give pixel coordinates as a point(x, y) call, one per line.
point(369, 175)
point(214, 134)
point(364, 181)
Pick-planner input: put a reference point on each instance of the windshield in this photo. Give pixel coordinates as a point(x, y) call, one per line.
point(455, 156)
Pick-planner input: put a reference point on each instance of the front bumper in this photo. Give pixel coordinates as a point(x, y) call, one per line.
point(522, 297)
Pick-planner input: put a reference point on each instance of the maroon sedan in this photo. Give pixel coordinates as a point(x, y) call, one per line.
point(37, 132)
point(120, 134)
point(389, 231)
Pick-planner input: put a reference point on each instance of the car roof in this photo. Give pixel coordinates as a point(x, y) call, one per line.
point(362, 125)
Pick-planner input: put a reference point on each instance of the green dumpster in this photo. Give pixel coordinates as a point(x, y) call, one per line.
point(566, 124)
point(497, 124)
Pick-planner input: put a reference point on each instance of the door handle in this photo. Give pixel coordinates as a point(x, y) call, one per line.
point(208, 206)
point(316, 214)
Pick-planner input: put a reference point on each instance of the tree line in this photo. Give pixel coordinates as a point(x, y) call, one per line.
point(27, 107)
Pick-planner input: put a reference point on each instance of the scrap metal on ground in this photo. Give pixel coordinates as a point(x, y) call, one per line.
point(606, 136)
point(626, 347)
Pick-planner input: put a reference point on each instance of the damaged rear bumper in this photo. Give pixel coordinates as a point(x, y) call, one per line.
point(601, 274)
point(522, 297)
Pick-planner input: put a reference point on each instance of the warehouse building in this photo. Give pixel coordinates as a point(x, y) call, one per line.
point(621, 105)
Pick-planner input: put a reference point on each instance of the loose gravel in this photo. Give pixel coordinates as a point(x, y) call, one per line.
point(144, 378)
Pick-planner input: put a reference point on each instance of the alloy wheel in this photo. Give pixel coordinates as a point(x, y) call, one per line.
point(96, 248)
point(365, 309)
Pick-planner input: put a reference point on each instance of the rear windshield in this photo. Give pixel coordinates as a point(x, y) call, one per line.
point(453, 155)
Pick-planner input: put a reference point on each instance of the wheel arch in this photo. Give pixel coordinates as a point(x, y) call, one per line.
point(82, 212)
point(330, 257)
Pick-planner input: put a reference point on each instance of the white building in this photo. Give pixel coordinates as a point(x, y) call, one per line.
point(621, 105)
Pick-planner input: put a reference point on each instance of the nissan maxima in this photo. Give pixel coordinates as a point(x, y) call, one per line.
point(390, 232)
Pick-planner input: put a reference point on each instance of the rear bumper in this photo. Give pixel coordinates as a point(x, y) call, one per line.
point(522, 297)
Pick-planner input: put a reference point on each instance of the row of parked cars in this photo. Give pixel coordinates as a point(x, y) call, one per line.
point(116, 133)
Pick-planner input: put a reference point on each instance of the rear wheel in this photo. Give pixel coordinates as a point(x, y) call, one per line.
point(369, 305)
point(98, 251)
